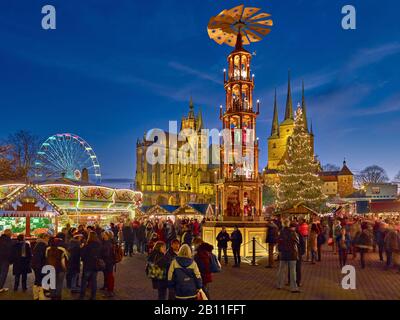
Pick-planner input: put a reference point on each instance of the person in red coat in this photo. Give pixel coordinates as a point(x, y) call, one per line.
point(203, 258)
point(161, 232)
point(196, 229)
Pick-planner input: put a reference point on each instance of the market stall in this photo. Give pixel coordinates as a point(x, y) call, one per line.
point(25, 209)
point(80, 202)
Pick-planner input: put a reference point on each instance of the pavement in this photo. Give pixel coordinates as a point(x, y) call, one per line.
point(321, 281)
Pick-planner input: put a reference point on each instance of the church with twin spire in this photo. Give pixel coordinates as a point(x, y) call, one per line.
point(280, 132)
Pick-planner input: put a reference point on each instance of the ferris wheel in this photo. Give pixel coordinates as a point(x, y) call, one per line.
point(67, 155)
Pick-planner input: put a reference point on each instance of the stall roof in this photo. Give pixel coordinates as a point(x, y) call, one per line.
point(17, 193)
point(384, 206)
point(169, 208)
point(200, 207)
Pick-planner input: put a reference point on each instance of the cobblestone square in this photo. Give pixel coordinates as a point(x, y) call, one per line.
point(321, 281)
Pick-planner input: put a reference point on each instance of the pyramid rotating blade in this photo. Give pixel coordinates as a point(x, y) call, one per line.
point(236, 12)
point(259, 16)
point(213, 33)
point(230, 39)
point(229, 30)
point(220, 38)
point(245, 40)
point(214, 24)
point(269, 23)
point(263, 31)
point(224, 27)
point(224, 16)
point(252, 36)
point(248, 12)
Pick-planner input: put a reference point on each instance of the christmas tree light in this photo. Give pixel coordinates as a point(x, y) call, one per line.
point(299, 181)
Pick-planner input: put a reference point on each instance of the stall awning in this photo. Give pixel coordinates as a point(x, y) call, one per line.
point(28, 200)
point(19, 214)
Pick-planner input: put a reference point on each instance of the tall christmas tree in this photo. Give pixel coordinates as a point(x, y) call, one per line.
point(299, 181)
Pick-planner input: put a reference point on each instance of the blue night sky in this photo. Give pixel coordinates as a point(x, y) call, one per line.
point(114, 69)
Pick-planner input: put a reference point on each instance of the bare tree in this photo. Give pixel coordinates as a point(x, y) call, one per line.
point(372, 174)
point(7, 169)
point(397, 178)
point(330, 167)
point(24, 147)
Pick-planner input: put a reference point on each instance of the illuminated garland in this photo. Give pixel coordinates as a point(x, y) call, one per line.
point(18, 192)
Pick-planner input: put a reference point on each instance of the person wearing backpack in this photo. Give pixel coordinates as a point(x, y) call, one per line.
point(107, 254)
point(90, 255)
point(184, 275)
point(272, 238)
point(203, 259)
point(157, 269)
point(57, 256)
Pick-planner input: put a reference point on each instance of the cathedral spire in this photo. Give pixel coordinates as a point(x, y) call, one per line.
point(303, 106)
point(289, 105)
point(199, 120)
point(191, 107)
point(311, 129)
point(275, 123)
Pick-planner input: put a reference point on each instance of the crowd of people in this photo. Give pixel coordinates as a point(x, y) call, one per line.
point(77, 255)
point(184, 266)
point(179, 263)
point(297, 240)
point(142, 234)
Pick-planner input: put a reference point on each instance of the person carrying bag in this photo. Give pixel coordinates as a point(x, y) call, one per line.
point(184, 275)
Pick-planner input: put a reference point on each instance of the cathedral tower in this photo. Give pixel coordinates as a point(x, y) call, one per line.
point(277, 141)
